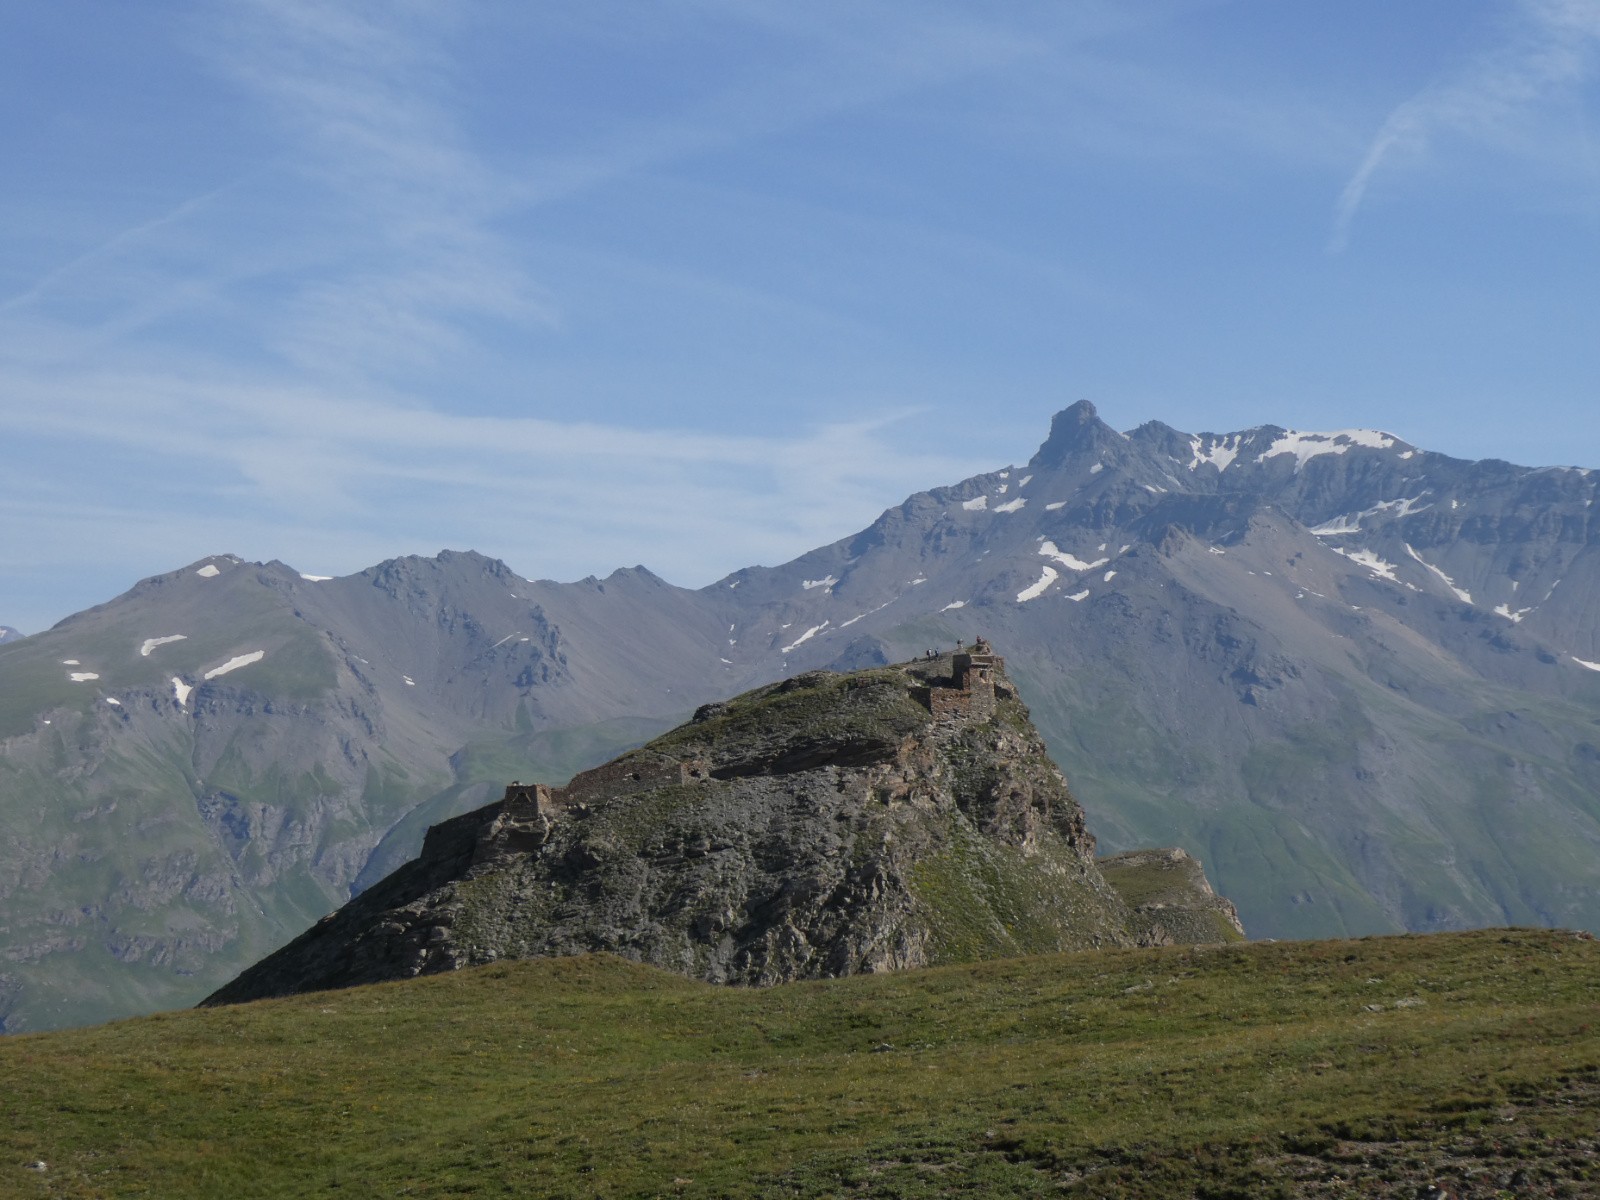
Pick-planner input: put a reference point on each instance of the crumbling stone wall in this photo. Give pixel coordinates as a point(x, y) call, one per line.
point(972, 689)
point(626, 776)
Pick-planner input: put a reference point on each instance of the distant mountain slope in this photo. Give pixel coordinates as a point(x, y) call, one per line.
point(200, 767)
point(1360, 680)
point(8, 634)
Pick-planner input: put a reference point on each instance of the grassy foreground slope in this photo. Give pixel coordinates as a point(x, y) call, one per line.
point(1327, 1069)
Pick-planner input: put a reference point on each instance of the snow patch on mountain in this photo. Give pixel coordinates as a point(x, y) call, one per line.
point(1011, 505)
point(1036, 590)
point(1351, 522)
point(1461, 593)
point(976, 504)
point(209, 571)
point(1369, 560)
point(233, 664)
point(1306, 446)
point(859, 616)
point(181, 690)
point(1071, 561)
point(150, 644)
point(805, 637)
point(827, 581)
point(1218, 451)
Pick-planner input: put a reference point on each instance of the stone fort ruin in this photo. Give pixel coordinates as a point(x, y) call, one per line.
point(529, 810)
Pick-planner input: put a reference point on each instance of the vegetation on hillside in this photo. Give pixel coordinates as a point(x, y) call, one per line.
point(1326, 1069)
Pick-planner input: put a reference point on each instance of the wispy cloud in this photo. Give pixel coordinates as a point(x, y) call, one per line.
point(1550, 49)
point(325, 482)
point(839, 58)
point(363, 96)
point(316, 361)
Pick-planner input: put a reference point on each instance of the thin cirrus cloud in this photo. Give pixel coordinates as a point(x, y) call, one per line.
point(191, 410)
point(369, 103)
point(362, 109)
point(305, 472)
point(1550, 50)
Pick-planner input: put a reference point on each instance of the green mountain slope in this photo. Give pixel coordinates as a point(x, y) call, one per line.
point(1372, 1068)
point(208, 763)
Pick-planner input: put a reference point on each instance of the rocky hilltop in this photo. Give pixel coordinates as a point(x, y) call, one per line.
point(827, 825)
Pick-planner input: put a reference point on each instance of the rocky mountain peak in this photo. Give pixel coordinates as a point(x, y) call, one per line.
point(825, 825)
point(1074, 432)
point(463, 563)
point(8, 634)
point(1163, 439)
point(638, 573)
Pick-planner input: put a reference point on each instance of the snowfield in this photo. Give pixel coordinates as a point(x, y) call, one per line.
point(233, 664)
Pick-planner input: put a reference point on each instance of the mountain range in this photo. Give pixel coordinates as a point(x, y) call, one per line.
point(1358, 679)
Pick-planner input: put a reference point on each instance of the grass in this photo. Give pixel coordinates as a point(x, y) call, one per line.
point(871, 705)
point(986, 900)
point(1324, 1068)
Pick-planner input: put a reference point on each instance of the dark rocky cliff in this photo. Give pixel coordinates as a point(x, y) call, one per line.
point(826, 825)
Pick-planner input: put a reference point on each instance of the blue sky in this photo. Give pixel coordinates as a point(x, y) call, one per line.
point(704, 283)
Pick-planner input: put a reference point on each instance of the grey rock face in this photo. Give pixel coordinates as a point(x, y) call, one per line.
point(823, 826)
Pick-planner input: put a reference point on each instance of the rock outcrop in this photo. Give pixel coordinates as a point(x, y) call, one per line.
point(826, 825)
point(1170, 898)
